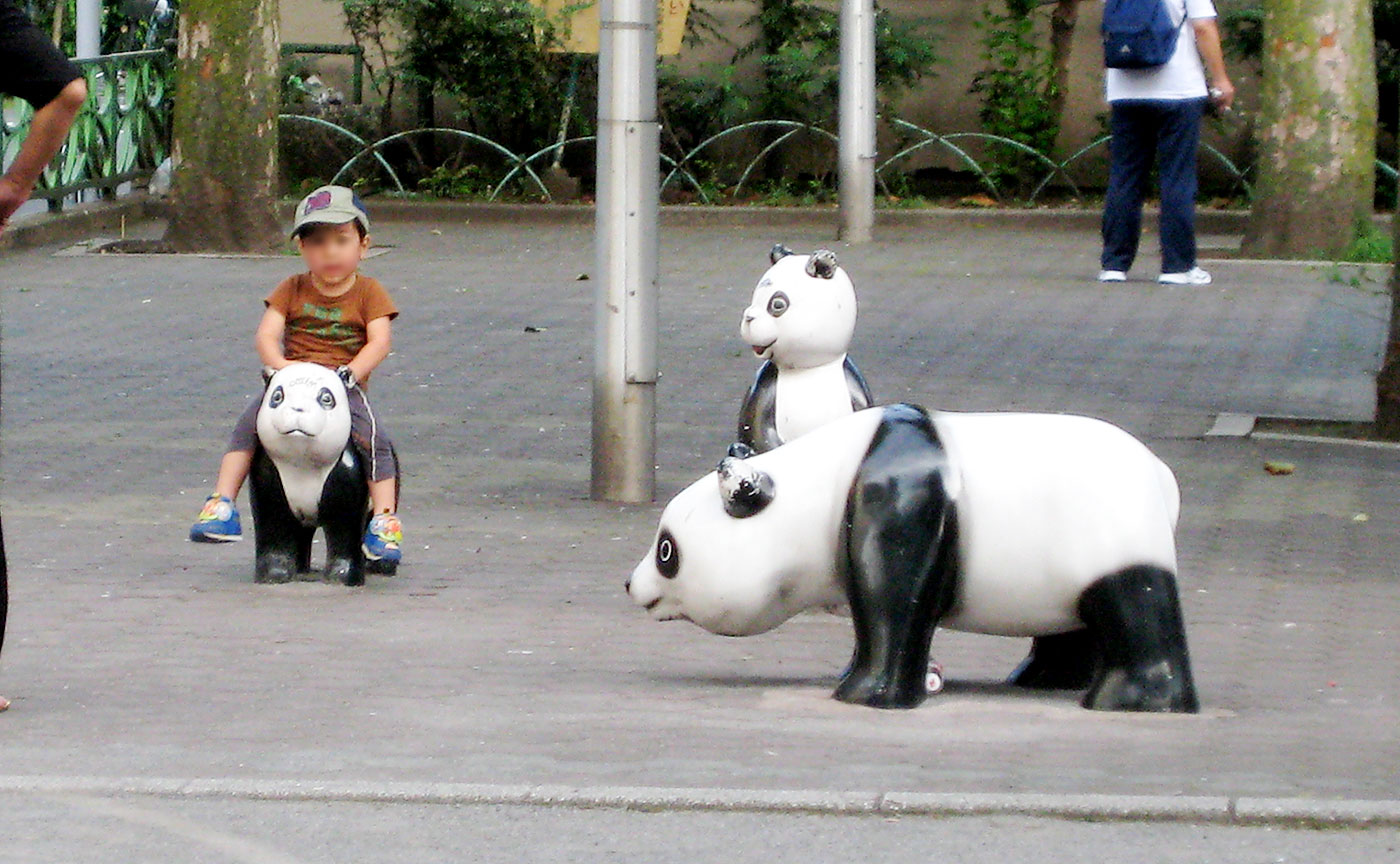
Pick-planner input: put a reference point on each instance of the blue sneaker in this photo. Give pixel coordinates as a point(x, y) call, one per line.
point(217, 523)
point(382, 538)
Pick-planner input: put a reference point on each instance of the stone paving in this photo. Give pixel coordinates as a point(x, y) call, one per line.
point(506, 653)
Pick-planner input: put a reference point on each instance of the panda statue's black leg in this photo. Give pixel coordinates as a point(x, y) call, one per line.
point(1136, 617)
point(276, 532)
point(304, 539)
point(901, 561)
point(1064, 661)
point(342, 513)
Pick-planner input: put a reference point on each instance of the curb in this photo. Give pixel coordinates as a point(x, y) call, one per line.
point(1294, 812)
point(79, 222)
point(1207, 221)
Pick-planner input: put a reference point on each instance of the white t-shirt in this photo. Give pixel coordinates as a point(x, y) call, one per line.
point(1181, 77)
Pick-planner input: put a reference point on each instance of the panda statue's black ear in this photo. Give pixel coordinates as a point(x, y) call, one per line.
point(745, 489)
point(822, 264)
point(778, 252)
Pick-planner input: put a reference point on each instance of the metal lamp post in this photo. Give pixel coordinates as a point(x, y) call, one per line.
point(627, 247)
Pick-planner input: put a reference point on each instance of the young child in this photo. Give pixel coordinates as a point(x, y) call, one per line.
point(335, 316)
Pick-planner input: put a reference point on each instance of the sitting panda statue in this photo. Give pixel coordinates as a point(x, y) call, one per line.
point(800, 323)
point(1055, 527)
point(307, 473)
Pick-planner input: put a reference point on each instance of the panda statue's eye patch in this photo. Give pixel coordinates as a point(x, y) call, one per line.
point(668, 555)
point(778, 304)
point(326, 399)
point(275, 398)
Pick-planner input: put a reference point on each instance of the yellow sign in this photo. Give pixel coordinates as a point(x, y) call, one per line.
point(576, 24)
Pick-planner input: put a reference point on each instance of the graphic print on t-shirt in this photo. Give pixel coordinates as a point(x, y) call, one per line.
point(326, 326)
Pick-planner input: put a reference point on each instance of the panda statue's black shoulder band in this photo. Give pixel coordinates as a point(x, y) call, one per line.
point(855, 383)
point(901, 566)
point(758, 416)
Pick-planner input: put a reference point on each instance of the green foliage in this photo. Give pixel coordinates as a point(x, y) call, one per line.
point(488, 54)
point(694, 107)
point(1370, 244)
point(1016, 86)
point(469, 181)
point(1242, 30)
point(133, 25)
point(802, 191)
point(295, 72)
point(797, 49)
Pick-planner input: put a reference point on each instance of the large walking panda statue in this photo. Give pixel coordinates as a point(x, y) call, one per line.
point(800, 323)
point(1056, 527)
point(306, 474)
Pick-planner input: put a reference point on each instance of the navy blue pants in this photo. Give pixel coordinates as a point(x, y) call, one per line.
point(1168, 130)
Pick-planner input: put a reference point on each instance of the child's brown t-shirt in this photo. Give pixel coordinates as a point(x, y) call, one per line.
point(328, 330)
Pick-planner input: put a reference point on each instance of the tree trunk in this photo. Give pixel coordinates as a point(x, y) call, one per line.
point(1317, 129)
point(1388, 379)
point(1062, 22)
point(225, 128)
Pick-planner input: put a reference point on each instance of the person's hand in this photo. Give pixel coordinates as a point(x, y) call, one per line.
point(1222, 95)
point(12, 195)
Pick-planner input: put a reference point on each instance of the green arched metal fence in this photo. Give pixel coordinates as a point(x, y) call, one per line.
point(122, 133)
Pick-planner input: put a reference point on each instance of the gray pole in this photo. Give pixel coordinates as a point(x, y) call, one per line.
point(627, 248)
point(89, 28)
point(857, 120)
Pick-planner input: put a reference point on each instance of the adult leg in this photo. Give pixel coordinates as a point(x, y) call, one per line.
point(1177, 143)
point(1133, 126)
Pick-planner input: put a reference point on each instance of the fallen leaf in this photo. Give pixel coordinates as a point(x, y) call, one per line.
point(1280, 467)
point(978, 201)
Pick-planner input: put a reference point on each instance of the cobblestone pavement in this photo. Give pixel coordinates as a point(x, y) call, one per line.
point(506, 652)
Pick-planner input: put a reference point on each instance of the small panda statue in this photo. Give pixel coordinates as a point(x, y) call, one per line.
point(1056, 527)
point(306, 474)
point(800, 323)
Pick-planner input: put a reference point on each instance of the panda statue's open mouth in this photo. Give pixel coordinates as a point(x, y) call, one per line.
point(761, 350)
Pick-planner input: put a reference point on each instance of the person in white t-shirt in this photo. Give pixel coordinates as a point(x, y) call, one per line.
point(1156, 113)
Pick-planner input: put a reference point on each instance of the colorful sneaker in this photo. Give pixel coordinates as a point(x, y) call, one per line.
point(1113, 276)
point(217, 523)
point(382, 538)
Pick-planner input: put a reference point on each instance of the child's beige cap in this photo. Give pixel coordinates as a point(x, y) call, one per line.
point(332, 205)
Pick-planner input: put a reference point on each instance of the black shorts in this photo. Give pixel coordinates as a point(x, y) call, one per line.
point(31, 68)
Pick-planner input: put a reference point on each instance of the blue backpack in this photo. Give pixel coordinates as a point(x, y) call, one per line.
point(1138, 34)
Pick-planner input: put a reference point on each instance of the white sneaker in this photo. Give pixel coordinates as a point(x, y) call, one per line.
point(1112, 276)
point(1194, 276)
